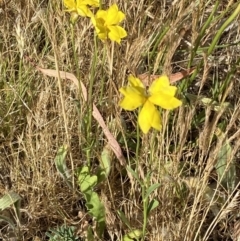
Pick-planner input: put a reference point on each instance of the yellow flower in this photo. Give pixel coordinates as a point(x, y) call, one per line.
point(106, 24)
point(160, 93)
point(80, 7)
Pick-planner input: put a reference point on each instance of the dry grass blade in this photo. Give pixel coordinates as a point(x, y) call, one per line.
point(96, 114)
point(147, 78)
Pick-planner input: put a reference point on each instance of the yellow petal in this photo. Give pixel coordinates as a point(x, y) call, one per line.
point(162, 84)
point(135, 82)
point(93, 20)
point(132, 98)
point(102, 35)
point(167, 102)
point(116, 33)
point(114, 16)
point(84, 11)
point(70, 5)
point(149, 117)
point(93, 3)
point(101, 14)
point(101, 30)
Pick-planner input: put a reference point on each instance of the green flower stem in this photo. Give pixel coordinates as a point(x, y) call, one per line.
point(159, 38)
point(102, 69)
point(75, 57)
point(145, 207)
point(223, 27)
point(75, 65)
point(90, 101)
point(74, 53)
point(138, 138)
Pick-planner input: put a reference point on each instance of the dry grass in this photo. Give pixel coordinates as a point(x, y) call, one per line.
point(182, 157)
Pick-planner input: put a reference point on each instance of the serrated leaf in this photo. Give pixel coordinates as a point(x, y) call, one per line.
point(86, 182)
point(93, 203)
point(61, 164)
point(95, 206)
point(83, 173)
point(152, 205)
point(97, 210)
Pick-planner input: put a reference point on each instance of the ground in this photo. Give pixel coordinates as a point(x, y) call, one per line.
point(180, 183)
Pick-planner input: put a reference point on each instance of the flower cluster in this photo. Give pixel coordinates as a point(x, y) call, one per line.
point(106, 22)
point(160, 93)
point(81, 7)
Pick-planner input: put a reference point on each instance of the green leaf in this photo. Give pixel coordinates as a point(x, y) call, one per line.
point(93, 203)
point(8, 199)
point(105, 164)
point(61, 164)
point(124, 218)
point(134, 174)
point(97, 210)
point(133, 235)
point(210, 103)
point(95, 206)
point(151, 189)
point(90, 236)
point(217, 107)
point(225, 166)
point(86, 182)
point(83, 173)
point(152, 205)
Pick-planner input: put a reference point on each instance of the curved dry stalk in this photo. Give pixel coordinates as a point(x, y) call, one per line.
point(96, 114)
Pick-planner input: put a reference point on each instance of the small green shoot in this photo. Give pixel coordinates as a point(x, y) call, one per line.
point(61, 164)
point(63, 233)
point(105, 164)
point(148, 204)
point(87, 182)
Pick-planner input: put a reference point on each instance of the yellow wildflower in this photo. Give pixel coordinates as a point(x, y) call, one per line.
point(160, 93)
point(80, 7)
point(106, 24)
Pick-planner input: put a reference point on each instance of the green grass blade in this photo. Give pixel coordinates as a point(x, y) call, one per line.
point(223, 27)
point(9, 199)
point(61, 166)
